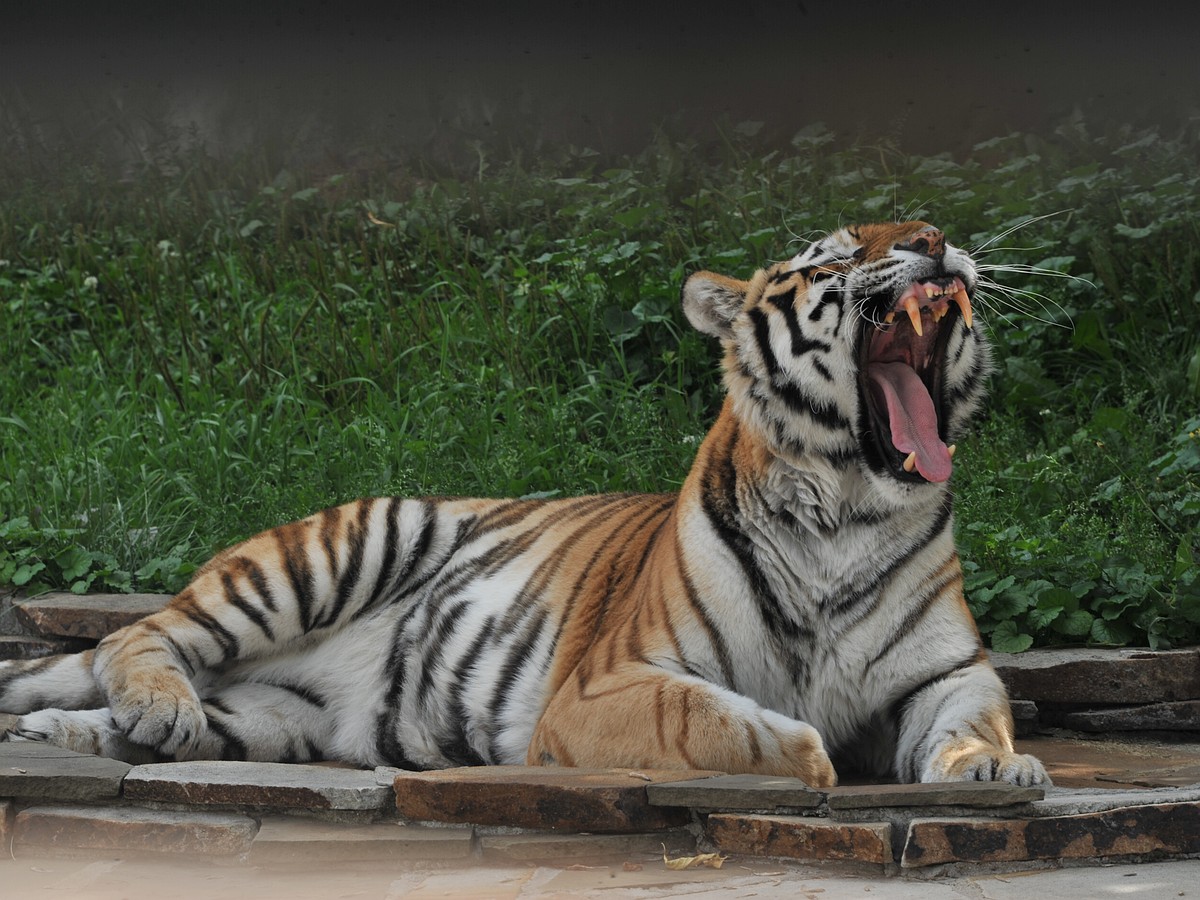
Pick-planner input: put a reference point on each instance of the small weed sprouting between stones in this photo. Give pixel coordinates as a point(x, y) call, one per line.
point(205, 349)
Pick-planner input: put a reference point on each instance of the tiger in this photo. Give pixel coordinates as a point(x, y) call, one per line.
point(795, 609)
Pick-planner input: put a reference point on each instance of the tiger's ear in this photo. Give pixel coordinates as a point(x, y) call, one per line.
point(711, 302)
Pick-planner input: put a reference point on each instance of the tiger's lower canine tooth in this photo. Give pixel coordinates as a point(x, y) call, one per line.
point(950, 450)
point(910, 461)
point(964, 304)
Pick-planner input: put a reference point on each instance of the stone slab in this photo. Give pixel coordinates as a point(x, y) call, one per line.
point(541, 797)
point(955, 793)
point(1180, 715)
point(257, 785)
point(296, 840)
point(92, 616)
point(23, 646)
point(45, 772)
point(1163, 829)
point(798, 837)
point(1025, 717)
point(524, 848)
point(123, 828)
point(1084, 676)
point(1072, 801)
point(735, 792)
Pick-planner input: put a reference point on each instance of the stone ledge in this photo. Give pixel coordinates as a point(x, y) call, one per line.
point(539, 797)
point(801, 838)
point(93, 616)
point(277, 786)
point(44, 772)
point(68, 829)
point(735, 792)
point(1178, 715)
point(295, 840)
point(24, 646)
point(988, 794)
point(1172, 828)
point(1082, 676)
point(1072, 801)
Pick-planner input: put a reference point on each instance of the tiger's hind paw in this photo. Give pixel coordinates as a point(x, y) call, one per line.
point(90, 731)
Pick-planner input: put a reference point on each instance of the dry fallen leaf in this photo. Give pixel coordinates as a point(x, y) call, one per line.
point(377, 221)
point(632, 867)
point(641, 775)
point(712, 860)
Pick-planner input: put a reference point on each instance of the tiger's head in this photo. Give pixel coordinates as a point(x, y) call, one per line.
point(861, 352)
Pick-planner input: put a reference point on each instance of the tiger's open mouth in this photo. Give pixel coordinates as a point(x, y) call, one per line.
point(901, 366)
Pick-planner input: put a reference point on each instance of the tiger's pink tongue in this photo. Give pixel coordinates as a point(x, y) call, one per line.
point(912, 418)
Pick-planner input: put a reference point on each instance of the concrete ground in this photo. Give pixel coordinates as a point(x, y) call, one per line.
point(108, 879)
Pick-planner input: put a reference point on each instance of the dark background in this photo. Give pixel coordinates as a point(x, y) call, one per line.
point(318, 78)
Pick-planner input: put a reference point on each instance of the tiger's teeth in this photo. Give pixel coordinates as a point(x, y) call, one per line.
point(929, 291)
point(964, 304)
point(914, 315)
point(910, 461)
point(889, 318)
point(950, 450)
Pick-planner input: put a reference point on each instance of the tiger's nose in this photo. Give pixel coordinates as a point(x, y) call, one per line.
point(929, 241)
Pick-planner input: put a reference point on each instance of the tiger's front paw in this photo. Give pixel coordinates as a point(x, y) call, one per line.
point(980, 762)
point(157, 708)
point(802, 752)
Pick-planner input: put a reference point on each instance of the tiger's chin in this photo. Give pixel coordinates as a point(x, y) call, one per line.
point(905, 348)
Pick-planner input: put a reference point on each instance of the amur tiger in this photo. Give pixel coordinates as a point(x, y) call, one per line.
point(796, 609)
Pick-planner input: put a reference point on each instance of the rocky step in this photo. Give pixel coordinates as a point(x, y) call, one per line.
point(88, 616)
point(25, 646)
point(1086, 677)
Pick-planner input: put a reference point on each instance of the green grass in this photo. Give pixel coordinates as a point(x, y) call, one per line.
point(202, 349)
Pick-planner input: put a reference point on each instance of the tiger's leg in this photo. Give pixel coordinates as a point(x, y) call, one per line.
point(279, 592)
point(64, 681)
point(639, 715)
point(247, 721)
point(959, 728)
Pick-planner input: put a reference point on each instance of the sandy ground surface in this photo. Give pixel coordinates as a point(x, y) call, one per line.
point(108, 879)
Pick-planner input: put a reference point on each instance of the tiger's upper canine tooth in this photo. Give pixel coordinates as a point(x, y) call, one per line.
point(964, 304)
point(914, 314)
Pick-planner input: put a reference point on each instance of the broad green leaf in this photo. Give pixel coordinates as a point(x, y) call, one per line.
point(1006, 638)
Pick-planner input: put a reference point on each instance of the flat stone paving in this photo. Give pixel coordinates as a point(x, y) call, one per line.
point(255, 784)
point(540, 797)
point(50, 773)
